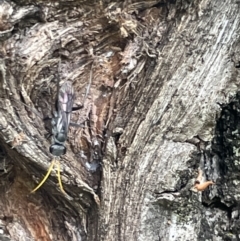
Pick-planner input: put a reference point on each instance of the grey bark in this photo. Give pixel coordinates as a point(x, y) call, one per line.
point(163, 103)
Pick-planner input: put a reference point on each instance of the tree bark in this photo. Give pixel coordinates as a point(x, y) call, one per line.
point(163, 102)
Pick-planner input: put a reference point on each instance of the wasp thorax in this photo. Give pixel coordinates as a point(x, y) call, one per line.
point(61, 137)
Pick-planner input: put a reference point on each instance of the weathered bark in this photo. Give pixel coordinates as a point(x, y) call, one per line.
point(163, 103)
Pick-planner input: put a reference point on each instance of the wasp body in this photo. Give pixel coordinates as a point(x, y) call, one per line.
point(61, 121)
point(60, 125)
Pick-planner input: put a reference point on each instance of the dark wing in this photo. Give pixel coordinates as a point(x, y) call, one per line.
point(65, 104)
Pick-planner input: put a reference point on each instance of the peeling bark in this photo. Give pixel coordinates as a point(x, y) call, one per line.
point(163, 103)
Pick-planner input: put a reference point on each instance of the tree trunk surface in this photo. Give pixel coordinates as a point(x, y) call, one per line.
point(159, 84)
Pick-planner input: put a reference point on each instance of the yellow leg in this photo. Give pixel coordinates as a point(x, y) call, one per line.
point(59, 177)
point(45, 178)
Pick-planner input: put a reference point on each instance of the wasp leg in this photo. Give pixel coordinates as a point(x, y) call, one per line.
point(45, 177)
point(59, 178)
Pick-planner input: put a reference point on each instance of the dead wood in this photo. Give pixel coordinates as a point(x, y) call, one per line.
point(161, 73)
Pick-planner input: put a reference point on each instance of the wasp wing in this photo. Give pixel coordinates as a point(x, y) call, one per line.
point(65, 105)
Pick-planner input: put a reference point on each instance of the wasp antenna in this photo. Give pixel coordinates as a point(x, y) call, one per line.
point(45, 177)
point(59, 178)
